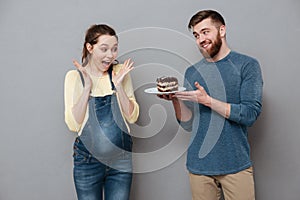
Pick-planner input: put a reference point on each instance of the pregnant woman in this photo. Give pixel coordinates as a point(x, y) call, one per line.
point(99, 104)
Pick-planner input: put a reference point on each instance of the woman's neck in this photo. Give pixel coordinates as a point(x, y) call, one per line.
point(94, 71)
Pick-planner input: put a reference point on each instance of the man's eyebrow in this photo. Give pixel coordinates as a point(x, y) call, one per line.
point(204, 29)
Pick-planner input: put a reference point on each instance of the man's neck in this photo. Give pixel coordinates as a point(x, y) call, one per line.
point(224, 51)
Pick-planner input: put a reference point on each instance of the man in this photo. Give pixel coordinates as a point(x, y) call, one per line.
point(223, 98)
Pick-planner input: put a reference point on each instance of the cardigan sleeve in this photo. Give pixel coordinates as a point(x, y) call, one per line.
point(72, 90)
point(128, 88)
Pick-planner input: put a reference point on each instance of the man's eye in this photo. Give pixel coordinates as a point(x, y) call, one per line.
point(196, 36)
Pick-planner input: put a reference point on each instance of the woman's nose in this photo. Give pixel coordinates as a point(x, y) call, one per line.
point(109, 54)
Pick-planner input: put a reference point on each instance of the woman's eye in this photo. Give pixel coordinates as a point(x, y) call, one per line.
point(103, 49)
point(115, 49)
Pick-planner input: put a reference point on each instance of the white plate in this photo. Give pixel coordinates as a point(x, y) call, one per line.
point(155, 91)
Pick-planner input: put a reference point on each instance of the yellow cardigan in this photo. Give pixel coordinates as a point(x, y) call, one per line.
point(101, 86)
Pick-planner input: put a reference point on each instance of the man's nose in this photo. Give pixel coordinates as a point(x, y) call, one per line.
point(201, 39)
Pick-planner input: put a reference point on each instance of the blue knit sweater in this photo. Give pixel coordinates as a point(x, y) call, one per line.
point(218, 145)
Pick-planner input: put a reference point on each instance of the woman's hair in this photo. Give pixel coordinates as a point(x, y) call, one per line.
point(91, 37)
point(204, 14)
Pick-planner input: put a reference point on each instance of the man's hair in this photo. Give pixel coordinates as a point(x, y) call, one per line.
point(204, 14)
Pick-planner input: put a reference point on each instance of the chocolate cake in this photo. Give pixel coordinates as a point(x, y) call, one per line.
point(167, 84)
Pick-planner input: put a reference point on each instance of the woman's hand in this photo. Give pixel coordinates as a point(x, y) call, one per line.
point(118, 78)
point(86, 77)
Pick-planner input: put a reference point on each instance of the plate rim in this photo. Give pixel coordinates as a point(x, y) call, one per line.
point(180, 89)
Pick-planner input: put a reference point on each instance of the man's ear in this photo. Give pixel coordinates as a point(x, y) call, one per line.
point(89, 47)
point(222, 30)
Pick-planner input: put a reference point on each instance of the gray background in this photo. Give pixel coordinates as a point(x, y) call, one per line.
point(38, 40)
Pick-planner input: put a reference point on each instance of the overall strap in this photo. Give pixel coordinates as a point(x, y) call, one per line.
point(110, 70)
point(81, 77)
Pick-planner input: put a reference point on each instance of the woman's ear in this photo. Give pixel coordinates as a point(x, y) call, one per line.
point(89, 47)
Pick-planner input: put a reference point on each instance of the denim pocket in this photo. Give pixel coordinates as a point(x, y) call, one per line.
point(103, 109)
point(79, 156)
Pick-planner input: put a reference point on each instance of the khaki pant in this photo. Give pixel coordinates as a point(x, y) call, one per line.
point(239, 186)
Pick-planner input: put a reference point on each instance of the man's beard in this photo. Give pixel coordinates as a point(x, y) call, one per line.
point(214, 50)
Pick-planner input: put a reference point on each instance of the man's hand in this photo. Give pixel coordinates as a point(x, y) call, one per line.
point(167, 97)
point(199, 95)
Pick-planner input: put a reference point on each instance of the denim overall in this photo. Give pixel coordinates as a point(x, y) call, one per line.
point(102, 153)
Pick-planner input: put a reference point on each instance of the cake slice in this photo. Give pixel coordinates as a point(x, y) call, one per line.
point(167, 84)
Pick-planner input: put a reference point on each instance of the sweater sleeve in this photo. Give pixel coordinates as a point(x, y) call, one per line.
point(72, 88)
point(188, 84)
point(248, 109)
